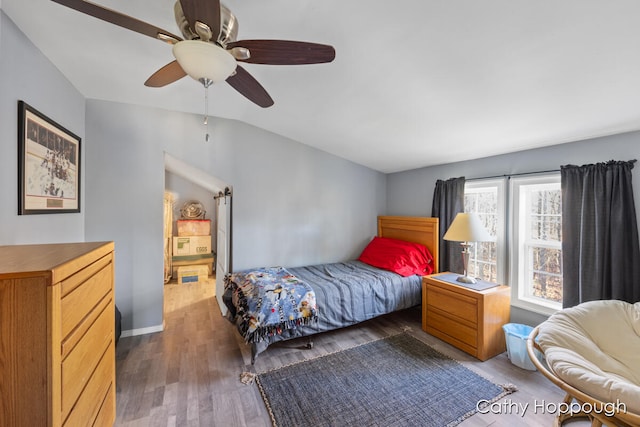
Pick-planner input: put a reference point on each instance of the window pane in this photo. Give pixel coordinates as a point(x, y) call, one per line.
point(547, 286)
point(546, 210)
point(540, 241)
point(483, 260)
point(547, 260)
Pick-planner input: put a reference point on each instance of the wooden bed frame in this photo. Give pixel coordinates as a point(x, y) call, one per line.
point(422, 230)
point(416, 229)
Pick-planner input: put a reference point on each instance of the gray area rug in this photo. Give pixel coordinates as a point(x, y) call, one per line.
point(395, 381)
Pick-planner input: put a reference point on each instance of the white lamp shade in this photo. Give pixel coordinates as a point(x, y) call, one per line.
point(204, 60)
point(467, 227)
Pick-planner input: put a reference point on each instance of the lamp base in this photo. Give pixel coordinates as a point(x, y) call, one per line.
point(466, 252)
point(466, 279)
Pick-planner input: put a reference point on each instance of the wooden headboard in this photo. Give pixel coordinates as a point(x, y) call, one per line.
point(415, 229)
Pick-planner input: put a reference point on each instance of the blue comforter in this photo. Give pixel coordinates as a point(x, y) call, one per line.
point(267, 301)
point(346, 293)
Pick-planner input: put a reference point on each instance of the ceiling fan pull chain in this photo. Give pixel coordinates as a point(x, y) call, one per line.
point(206, 112)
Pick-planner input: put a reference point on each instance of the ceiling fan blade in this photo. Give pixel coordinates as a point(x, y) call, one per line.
point(248, 86)
point(120, 19)
point(205, 11)
point(285, 52)
point(165, 75)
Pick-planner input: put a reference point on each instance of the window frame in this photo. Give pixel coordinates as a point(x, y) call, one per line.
point(501, 215)
point(517, 250)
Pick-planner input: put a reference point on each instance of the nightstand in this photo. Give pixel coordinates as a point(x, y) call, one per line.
point(467, 318)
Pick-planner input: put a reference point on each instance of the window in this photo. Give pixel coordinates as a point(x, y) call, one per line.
point(530, 260)
point(487, 199)
point(536, 246)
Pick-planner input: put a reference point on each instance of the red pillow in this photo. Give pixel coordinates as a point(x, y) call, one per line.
point(399, 256)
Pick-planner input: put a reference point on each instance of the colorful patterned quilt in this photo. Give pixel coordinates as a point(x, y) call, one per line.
point(267, 301)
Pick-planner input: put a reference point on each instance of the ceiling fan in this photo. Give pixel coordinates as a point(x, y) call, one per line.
point(209, 51)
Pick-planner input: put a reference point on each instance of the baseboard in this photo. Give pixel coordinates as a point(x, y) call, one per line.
point(142, 331)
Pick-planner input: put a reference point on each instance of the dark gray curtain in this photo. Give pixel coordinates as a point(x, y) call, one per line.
point(448, 200)
point(600, 251)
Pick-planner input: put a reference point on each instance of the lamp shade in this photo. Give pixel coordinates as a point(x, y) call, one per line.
point(467, 227)
point(204, 61)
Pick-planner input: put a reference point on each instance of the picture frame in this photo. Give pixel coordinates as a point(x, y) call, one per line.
point(48, 165)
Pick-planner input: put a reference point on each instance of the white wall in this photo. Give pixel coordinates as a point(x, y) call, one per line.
point(292, 204)
point(25, 74)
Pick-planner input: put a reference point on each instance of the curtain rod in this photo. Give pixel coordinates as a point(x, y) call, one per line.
point(547, 171)
point(513, 174)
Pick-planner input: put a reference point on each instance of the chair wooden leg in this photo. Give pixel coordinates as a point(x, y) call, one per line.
point(561, 418)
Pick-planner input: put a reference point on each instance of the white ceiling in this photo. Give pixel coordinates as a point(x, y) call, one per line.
point(414, 82)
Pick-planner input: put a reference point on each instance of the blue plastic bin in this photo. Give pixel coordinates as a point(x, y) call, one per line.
point(516, 336)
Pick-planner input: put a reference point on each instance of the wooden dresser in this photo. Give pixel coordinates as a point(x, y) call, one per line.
point(468, 319)
point(57, 347)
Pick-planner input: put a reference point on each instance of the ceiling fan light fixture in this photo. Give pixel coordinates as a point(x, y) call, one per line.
point(204, 61)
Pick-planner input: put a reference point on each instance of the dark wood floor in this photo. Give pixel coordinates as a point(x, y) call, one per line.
point(189, 374)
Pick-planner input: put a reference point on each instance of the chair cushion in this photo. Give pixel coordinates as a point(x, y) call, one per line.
point(595, 347)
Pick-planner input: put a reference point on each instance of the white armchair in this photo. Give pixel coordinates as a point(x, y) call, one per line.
point(592, 352)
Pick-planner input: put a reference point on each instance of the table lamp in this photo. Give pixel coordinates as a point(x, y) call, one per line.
point(467, 228)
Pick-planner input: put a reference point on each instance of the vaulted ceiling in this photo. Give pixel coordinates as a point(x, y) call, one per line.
point(414, 82)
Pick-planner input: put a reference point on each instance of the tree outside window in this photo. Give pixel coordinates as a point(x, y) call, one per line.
point(486, 199)
point(483, 260)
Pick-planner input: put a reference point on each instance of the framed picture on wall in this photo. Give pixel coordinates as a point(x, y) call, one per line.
point(48, 165)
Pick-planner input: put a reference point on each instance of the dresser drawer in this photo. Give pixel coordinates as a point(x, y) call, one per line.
point(82, 292)
point(79, 365)
point(456, 305)
point(42, 287)
point(452, 328)
point(96, 395)
point(107, 412)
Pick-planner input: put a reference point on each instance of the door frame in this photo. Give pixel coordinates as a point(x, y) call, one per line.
point(224, 242)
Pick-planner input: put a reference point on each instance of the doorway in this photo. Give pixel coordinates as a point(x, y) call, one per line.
point(186, 183)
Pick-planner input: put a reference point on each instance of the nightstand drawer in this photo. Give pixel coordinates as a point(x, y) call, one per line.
point(449, 326)
point(454, 304)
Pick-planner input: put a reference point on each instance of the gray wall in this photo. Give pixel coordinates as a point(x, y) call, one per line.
point(292, 204)
point(26, 74)
point(411, 192)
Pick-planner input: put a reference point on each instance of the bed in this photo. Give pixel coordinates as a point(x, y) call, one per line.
point(330, 296)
